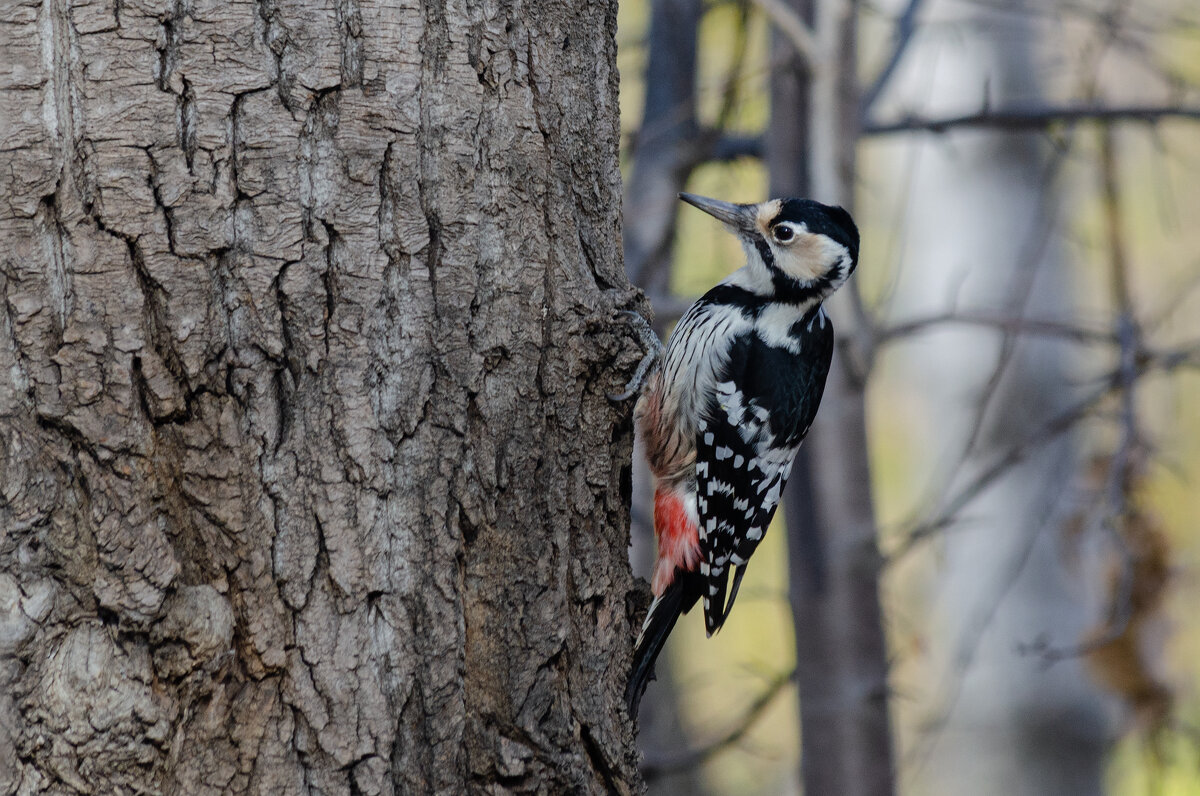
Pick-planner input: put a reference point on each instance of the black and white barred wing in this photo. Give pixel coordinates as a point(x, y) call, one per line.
point(740, 475)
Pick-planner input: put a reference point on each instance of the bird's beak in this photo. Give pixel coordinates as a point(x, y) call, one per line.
point(739, 218)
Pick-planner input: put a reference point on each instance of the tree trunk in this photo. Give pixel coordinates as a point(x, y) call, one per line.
point(1003, 721)
point(309, 482)
point(833, 560)
point(663, 152)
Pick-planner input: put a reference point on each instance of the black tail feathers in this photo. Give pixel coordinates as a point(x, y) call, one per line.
point(678, 599)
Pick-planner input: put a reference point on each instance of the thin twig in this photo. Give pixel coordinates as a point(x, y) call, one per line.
point(1177, 296)
point(1031, 117)
point(732, 82)
point(1120, 471)
point(902, 34)
point(1147, 362)
point(794, 30)
point(1002, 322)
point(974, 631)
point(1029, 262)
point(662, 764)
point(732, 147)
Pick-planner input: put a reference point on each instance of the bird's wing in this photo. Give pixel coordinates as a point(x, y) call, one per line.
point(740, 475)
point(698, 352)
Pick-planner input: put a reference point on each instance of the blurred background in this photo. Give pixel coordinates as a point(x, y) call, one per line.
point(984, 579)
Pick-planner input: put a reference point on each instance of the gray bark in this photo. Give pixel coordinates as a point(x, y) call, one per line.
point(309, 483)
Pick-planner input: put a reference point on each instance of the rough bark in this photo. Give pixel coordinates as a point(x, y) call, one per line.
point(309, 483)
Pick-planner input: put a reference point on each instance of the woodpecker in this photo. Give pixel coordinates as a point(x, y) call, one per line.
point(722, 418)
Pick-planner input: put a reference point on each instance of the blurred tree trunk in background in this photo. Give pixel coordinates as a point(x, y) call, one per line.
point(309, 479)
point(664, 151)
point(979, 238)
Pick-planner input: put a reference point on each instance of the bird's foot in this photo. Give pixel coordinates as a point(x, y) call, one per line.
point(654, 349)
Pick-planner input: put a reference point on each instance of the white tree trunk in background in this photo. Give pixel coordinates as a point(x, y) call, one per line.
point(1010, 576)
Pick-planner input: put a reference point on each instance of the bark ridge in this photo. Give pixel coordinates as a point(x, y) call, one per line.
point(307, 478)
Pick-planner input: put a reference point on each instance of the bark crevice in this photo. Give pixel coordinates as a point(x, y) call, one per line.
point(307, 437)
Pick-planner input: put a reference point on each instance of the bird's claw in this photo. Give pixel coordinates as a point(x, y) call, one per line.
point(653, 348)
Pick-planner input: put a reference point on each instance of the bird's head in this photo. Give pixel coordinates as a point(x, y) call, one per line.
point(806, 247)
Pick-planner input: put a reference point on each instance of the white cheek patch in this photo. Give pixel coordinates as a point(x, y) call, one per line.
point(811, 256)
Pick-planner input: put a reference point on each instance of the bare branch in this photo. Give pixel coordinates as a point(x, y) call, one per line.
point(660, 765)
point(906, 26)
point(1011, 119)
point(794, 30)
point(1029, 262)
point(732, 147)
point(1032, 117)
point(1121, 470)
point(1177, 296)
point(730, 90)
point(936, 720)
point(1001, 322)
point(662, 153)
point(1146, 362)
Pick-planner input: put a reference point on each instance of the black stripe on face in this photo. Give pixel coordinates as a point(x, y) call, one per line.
point(794, 291)
point(833, 222)
point(788, 288)
point(764, 251)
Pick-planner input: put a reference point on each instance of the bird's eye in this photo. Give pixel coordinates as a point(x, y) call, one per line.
point(784, 234)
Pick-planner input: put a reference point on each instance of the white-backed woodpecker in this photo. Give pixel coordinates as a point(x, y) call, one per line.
point(722, 418)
